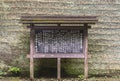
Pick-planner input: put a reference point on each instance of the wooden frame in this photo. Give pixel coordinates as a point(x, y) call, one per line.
point(32, 52)
point(85, 20)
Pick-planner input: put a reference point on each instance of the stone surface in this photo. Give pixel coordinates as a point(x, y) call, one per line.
point(104, 37)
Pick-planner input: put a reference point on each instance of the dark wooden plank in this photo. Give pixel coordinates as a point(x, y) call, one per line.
point(57, 56)
point(58, 27)
point(86, 51)
point(58, 69)
point(32, 51)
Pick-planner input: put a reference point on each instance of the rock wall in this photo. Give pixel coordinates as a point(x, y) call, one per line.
point(104, 37)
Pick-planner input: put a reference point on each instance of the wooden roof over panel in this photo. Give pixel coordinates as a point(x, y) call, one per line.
point(39, 19)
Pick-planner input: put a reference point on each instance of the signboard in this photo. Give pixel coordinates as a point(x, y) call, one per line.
point(59, 41)
point(49, 38)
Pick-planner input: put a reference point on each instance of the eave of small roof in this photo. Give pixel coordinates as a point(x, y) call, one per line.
point(42, 19)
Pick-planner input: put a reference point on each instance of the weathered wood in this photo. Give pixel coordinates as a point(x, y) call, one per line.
point(41, 17)
point(58, 19)
point(32, 51)
point(59, 22)
point(58, 27)
point(86, 51)
point(58, 69)
point(42, 55)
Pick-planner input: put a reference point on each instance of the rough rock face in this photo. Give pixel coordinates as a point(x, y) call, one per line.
point(104, 37)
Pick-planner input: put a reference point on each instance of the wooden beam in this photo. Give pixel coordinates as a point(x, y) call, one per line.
point(86, 51)
point(32, 51)
point(59, 22)
point(58, 27)
point(40, 55)
point(58, 69)
point(58, 17)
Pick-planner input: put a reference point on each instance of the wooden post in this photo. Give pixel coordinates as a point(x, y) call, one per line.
point(32, 50)
point(86, 51)
point(58, 69)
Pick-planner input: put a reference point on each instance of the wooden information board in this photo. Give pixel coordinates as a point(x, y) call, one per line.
point(58, 37)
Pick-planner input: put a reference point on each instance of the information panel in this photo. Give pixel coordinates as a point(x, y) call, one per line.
point(59, 41)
